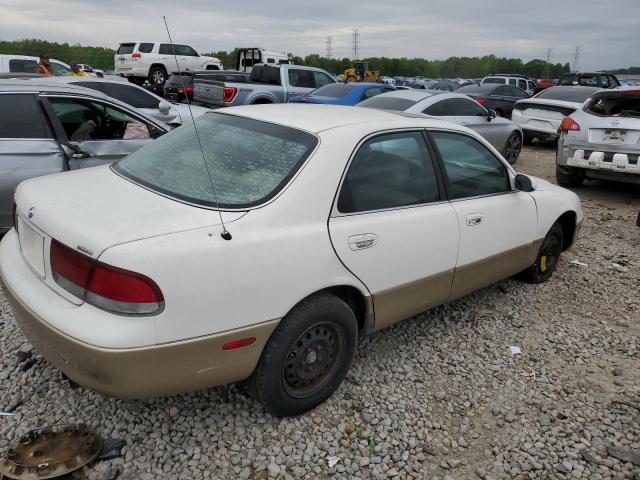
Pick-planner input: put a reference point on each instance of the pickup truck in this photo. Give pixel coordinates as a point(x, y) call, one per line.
point(268, 83)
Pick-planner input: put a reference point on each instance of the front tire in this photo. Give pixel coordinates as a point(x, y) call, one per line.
point(547, 258)
point(307, 356)
point(512, 148)
point(569, 177)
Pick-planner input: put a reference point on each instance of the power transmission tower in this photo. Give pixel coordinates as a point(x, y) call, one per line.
point(329, 43)
point(356, 43)
point(575, 66)
point(547, 65)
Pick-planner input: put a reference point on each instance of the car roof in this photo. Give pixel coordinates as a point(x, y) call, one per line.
point(415, 95)
point(317, 118)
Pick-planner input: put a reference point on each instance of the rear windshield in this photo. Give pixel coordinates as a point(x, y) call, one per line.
point(125, 48)
point(333, 90)
point(249, 161)
point(494, 80)
point(477, 89)
point(568, 94)
point(388, 103)
point(615, 106)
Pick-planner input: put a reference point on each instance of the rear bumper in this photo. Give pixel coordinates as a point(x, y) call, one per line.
point(534, 124)
point(132, 71)
point(135, 372)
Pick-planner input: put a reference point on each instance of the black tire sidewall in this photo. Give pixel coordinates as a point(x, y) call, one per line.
point(268, 378)
point(157, 69)
point(514, 134)
point(537, 275)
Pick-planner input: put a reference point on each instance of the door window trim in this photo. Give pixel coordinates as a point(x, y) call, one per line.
point(335, 213)
point(510, 171)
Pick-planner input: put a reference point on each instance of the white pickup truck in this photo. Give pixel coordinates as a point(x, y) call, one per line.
point(268, 83)
point(154, 61)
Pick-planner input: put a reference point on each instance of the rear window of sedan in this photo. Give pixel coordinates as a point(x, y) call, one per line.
point(333, 90)
point(247, 161)
point(388, 103)
point(568, 94)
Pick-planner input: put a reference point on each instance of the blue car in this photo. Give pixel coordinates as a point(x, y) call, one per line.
point(343, 93)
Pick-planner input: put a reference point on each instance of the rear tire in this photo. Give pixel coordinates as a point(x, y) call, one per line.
point(547, 258)
point(512, 148)
point(307, 356)
point(157, 75)
point(569, 178)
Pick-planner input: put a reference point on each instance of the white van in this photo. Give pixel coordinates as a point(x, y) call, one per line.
point(248, 57)
point(26, 64)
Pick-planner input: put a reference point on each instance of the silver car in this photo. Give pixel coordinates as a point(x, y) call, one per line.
point(50, 129)
point(502, 133)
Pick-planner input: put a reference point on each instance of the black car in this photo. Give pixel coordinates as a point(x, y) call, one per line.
point(177, 88)
point(595, 79)
point(492, 96)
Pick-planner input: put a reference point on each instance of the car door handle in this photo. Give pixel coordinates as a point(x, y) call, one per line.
point(474, 219)
point(362, 241)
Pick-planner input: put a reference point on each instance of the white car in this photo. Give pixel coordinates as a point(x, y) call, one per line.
point(89, 69)
point(540, 116)
point(338, 221)
point(154, 61)
point(601, 139)
point(27, 64)
point(171, 113)
point(520, 81)
point(387, 80)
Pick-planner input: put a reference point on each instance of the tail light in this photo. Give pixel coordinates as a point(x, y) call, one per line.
point(569, 125)
point(482, 101)
point(110, 288)
point(184, 90)
point(229, 94)
point(136, 56)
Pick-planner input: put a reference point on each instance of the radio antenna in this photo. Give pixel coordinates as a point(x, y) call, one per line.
point(225, 234)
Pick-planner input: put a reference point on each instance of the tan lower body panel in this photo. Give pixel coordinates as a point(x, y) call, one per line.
point(403, 302)
point(490, 270)
point(149, 371)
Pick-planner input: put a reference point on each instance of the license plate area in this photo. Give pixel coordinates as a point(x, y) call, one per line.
point(614, 136)
point(32, 247)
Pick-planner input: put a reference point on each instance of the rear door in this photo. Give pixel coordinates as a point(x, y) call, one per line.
point(27, 147)
point(103, 131)
point(123, 56)
point(497, 225)
point(392, 227)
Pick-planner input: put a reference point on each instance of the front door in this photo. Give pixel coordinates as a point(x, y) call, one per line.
point(392, 229)
point(497, 224)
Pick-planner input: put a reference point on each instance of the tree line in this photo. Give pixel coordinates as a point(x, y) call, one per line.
point(452, 67)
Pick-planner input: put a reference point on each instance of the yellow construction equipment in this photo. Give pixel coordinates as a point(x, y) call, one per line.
point(361, 73)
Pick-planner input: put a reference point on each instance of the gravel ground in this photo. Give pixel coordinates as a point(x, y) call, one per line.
point(437, 396)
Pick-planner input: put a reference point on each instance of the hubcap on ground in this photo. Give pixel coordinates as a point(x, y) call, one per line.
point(313, 360)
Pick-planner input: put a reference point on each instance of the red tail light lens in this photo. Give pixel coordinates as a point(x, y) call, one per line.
point(136, 56)
point(111, 288)
point(242, 342)
point(229, 94)
point(184, 90)
point(482, 101)
point(569, 124)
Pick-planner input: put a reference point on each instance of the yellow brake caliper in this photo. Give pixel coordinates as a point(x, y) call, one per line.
point(543, 263)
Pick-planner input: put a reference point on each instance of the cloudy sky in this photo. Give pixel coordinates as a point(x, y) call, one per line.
point(608, 31)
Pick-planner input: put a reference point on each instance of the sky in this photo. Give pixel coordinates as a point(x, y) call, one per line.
point(608, 31)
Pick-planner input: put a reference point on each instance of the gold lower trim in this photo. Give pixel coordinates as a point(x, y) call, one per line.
point(474, 276)
point(149, 371)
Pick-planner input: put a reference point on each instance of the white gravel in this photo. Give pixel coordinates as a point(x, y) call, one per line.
point(438, 396)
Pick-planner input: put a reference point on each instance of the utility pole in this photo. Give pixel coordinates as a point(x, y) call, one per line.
point(356, 43)
point(575, 66)
point(547, 66)
point(329, 43)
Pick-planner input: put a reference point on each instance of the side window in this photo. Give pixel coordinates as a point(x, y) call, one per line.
point(165, 49)
point(605, 81)
point(22, 117)
point(185, 51)
point(532, 86)
point(271, 60)
point(522, 84)
point(389, 171)
point(146, 47)
point(512, 81)
point(301, 78)
point(471, 168)
point(322, 79)
point(22, 66)
point(467, 108)
point(438, 109)
point(59, 70)
point(85, 120)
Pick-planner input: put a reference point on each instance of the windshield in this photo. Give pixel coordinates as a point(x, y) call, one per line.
point(388, 103)
point(249, 161)
point(568, 94)
point(333, 90)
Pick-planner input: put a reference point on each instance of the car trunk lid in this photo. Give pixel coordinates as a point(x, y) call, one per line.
point(93, 209)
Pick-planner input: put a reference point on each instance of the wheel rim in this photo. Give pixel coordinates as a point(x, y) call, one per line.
point(313, 360)
point(513, 148)
point(158, 77)
point(549, 255)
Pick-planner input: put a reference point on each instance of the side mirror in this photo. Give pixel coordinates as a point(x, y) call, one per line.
point(164, 107)
point(491, 114)
point(523, 183)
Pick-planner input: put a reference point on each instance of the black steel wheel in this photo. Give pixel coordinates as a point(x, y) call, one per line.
point(547, 258)
point(307, 356)
point(513, 147)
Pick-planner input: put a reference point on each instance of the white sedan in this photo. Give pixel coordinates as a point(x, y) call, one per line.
point(307, 228)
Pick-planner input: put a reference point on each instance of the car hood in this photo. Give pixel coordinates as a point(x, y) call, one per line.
point(97, 208)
